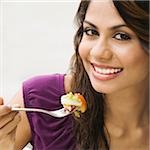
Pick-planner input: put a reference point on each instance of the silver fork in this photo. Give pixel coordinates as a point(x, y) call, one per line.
point(55, 113)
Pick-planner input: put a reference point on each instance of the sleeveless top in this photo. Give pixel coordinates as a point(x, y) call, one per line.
point(48, 133)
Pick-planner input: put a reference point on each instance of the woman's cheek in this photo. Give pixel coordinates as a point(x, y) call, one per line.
point(83, 50)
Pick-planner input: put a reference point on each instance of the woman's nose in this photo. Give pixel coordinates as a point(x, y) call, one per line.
point(101, 50)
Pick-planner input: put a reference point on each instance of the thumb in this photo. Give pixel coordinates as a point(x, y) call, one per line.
point(1, 101)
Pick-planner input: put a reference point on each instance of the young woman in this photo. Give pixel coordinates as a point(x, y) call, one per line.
point(110, 68)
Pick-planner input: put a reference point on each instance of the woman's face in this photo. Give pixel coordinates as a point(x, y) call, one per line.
point(111, 52)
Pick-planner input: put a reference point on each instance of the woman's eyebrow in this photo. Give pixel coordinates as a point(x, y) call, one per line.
point(118, 26)
point(91, 24)
point(111, 28)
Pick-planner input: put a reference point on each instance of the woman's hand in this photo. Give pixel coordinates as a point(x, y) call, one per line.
point(8, 124)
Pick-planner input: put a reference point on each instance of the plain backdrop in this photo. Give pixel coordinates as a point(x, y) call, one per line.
point(36, 38)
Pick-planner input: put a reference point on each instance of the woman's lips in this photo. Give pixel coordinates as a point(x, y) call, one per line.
point(102, 72)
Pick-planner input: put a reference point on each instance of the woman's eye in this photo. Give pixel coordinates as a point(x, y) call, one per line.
point(90, 32)
point(122, 36)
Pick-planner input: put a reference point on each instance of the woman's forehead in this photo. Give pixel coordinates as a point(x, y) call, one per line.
point(104, 13)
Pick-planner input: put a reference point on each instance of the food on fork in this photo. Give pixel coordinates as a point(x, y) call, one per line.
point(74, 103)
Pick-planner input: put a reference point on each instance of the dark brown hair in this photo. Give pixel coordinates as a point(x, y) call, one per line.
point(90, 130)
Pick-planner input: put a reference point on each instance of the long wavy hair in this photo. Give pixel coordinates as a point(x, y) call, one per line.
point(90, 130)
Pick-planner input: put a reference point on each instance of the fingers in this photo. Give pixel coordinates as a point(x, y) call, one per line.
point(4, 110)
point(7, 118)
point(12, 134)
point(10, 126)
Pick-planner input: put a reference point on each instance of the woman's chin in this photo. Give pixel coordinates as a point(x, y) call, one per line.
point(105, 89)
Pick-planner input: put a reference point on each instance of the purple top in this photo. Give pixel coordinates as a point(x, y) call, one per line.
point(48, 133)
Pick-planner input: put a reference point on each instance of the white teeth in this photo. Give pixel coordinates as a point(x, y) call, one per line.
point(111, 70)
point(106, 70)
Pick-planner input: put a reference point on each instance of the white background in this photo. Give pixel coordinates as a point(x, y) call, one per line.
point(36, 38)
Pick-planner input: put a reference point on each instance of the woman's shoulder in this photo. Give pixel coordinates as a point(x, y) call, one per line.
point(41, 81)
point(67, 82)
point(62, 81)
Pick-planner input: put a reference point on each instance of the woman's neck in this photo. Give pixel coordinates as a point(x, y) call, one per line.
point(128, 108)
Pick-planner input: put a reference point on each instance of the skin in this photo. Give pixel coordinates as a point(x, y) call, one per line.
point(111, 43)
point(126, 95)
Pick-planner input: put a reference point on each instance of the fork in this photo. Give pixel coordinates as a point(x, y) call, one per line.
point(55, 113)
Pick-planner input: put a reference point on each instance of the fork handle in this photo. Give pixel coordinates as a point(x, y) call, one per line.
point(29, 109)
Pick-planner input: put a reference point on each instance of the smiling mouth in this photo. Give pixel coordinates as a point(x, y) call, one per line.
point(107, 70)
